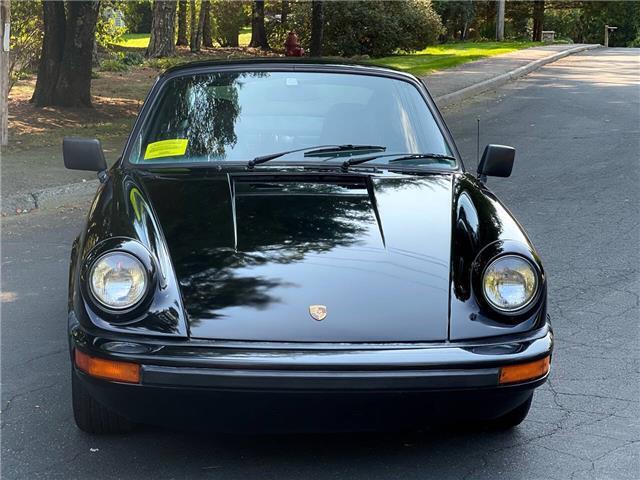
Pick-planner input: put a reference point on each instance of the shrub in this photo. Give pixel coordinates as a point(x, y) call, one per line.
point(165, 62)
point(364, 28)
point(107, 32)
point(133, 58)
point(113, 65)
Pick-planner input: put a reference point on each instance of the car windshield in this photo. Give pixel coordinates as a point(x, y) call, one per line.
point(238, 116)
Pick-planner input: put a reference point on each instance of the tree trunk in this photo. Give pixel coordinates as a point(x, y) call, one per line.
point(182, 23)
point(54, 21)
point(538, 17)
point(162, 43)
point(500, 21)
point(193, 30)
point(196, 36)
point(5, 21)
point(73, 88)
point(317, 27)
point(207, 34)
point(284, 12)
point(258, 32)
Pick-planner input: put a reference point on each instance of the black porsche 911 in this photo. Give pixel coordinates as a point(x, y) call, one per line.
point(295, 239)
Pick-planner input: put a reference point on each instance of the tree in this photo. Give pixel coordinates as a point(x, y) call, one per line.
point(182, 22)
point(196, 28)
point(162, 43)
point(207, 33)
point(64, 72)
point(5, 20)
point(317, 27)
point(500, 21)
point(538, 17)
point(137, 16)
point(193, 29)
point(258, 31)
point(73, 88)
point(229, 18)
point(457, 17)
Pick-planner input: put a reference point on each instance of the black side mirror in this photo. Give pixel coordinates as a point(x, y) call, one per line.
point(83, 154)
point(497, 161)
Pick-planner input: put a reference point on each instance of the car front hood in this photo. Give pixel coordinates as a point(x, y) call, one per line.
point(253, 253)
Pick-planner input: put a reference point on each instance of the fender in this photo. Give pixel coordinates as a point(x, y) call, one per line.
point(483, 228)
point(122, 218)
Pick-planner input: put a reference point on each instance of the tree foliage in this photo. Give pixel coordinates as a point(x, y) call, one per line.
point(229, 18)
point(137, 16)
point(25, 41)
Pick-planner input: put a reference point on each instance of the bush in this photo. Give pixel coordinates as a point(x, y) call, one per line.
point(133, 58)
point(113, 65)
point(107, 32)
point(375, 29)
point(165, 62)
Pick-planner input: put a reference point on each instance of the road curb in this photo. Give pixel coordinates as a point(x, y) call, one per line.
point(491, 83)
point(47, 197)
point(57, 196)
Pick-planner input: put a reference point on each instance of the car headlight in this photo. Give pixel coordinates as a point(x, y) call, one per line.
point(118, 280)
point(510, 283)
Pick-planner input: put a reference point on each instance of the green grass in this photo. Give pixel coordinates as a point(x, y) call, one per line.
point(141, 40)
point(134, 40)
point(245, 36)
point(448, 55)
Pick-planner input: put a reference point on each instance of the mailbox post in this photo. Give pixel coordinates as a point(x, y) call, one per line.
point(608, 29)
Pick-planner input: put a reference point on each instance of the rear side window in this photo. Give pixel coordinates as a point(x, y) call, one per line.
point(236, 116)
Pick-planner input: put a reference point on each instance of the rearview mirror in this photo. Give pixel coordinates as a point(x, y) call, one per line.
point(83, 154)
point(497, 161)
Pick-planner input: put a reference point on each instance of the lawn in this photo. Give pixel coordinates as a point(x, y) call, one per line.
point(245, 36)
point(448, 55)
point(141, 40)
point(134, 40)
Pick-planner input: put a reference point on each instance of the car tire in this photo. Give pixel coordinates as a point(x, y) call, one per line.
point(510, 419)
point(91, 416)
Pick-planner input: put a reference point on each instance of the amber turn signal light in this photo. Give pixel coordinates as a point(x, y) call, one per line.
point(108, 369)
point(525, 371)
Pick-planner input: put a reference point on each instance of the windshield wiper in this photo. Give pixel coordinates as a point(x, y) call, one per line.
point(314, 150)
point(401, 156)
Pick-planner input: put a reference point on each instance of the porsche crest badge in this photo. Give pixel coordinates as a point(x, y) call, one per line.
point(318, 312)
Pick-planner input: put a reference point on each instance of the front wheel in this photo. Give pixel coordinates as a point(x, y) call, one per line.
point(510, 419)
point(91, 416)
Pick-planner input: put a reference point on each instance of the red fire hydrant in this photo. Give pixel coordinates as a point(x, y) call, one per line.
point(292, 46)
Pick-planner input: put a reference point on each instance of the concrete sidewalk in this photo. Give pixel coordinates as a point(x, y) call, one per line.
point(36, 178)
point(469, 79)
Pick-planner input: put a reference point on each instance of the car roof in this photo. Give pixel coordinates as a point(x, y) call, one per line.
point(328, 63)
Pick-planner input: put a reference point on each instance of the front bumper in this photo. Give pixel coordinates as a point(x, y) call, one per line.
point(291, 388)
point(300, 367)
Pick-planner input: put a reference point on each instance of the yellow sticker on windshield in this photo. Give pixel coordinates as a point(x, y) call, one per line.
point(166, 148)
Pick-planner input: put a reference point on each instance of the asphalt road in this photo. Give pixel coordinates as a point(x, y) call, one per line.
point(576, 125)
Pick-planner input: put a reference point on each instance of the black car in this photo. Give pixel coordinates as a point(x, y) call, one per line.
point(285, 238)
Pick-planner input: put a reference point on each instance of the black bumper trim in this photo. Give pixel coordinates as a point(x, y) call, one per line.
point(318, 380)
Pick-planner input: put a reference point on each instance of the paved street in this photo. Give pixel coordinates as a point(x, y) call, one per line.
point(576, 126)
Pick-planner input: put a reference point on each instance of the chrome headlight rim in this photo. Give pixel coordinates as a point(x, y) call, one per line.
point(111, 308)
point(525, 307)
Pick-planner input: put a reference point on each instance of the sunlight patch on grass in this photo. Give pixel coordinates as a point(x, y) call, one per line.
point(134, 40)
point(448, 55)
point(245, 36)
